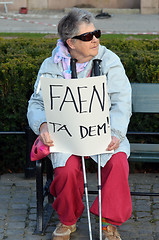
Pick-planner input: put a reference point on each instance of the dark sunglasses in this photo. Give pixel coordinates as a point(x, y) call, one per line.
point(88, 36)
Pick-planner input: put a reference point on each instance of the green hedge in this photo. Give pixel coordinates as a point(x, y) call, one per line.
point(20, 62)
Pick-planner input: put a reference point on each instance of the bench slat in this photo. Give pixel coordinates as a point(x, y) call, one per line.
point(144, 147)
point(144, 157)
point(142, 152)
point(145, 97)
point(6, 2)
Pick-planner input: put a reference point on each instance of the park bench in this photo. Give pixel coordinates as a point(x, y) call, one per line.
point(145, 100)
point(5, 5)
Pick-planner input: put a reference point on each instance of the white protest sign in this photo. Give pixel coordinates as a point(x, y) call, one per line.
point(77, 114)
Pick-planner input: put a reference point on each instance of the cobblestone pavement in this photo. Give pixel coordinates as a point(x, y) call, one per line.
point(46, 22)
point(18, 210)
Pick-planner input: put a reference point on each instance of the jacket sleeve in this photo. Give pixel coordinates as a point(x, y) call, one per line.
point(119, 91)
point(36, 113)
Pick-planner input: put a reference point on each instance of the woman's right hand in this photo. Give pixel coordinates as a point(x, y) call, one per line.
point(44, 135)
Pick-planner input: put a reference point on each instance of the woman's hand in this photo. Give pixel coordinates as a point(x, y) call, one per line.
point(44, 135)
point(114, 144)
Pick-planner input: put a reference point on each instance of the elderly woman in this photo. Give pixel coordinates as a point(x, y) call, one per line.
point(79, 39)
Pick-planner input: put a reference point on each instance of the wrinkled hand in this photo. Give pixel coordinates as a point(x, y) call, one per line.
point(44, 135)
point(114, 144)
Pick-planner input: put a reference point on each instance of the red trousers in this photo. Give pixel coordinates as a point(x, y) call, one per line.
point(68, 188)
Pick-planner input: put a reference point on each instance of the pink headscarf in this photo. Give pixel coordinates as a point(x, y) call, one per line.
point(64, 56)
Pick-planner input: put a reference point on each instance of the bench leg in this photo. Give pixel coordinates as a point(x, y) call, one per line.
point(5, 8)
point(39, 197)
point(44, 213)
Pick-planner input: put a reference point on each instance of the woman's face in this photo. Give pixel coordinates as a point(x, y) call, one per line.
point(84, 51)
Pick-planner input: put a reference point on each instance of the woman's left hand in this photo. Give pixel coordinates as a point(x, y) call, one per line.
point(114, 144)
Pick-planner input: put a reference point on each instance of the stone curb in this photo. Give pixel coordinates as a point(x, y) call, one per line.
point(18, 210)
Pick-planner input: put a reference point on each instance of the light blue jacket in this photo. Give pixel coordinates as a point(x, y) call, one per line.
point(119, 92)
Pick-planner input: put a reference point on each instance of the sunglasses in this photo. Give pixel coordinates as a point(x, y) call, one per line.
point(88, 36)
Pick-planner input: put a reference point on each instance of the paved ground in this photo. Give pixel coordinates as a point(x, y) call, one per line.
point(18, 210)
point(17, 194)
point(46, 22)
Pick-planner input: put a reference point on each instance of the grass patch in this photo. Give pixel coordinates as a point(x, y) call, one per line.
point(129, 36)
point(103, 37)
point(22, 35)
